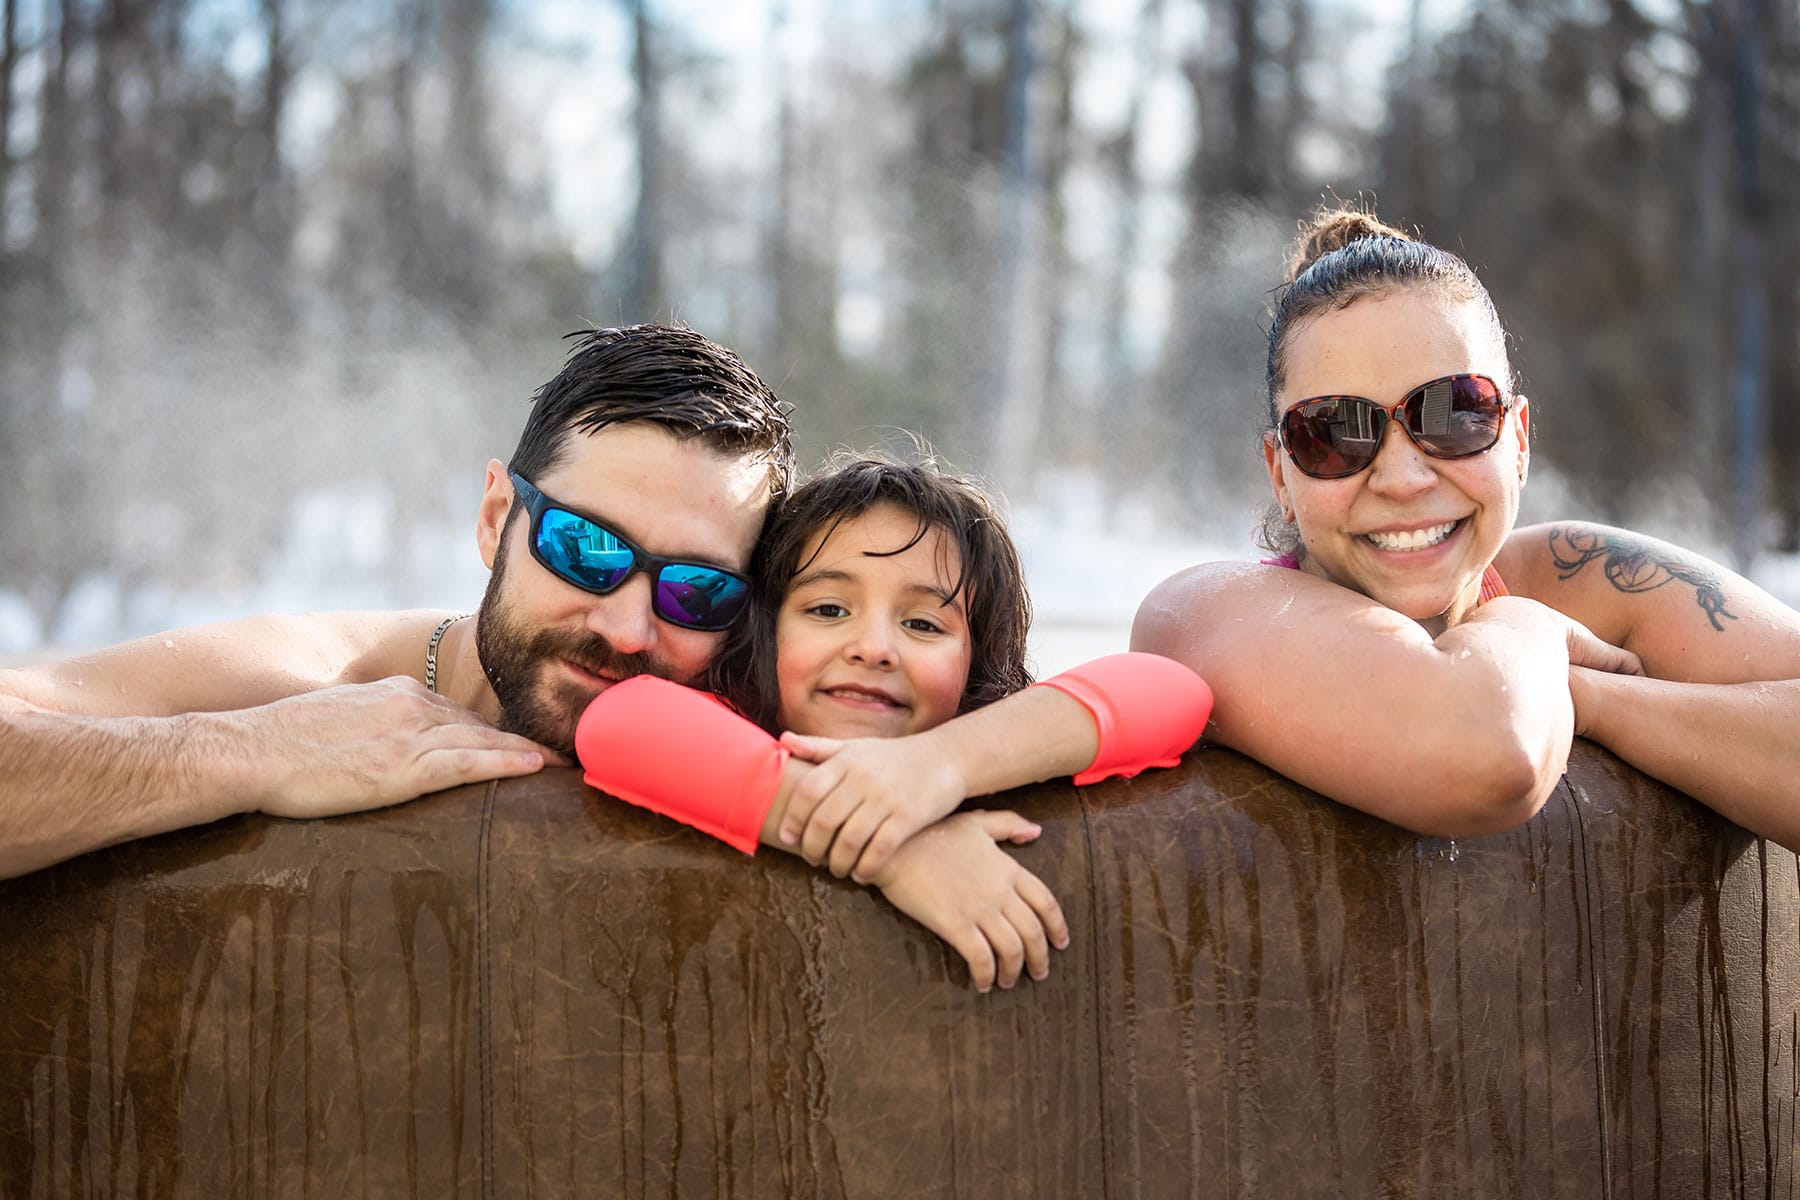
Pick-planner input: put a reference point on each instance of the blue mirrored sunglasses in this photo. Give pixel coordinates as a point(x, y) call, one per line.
point(581, 551)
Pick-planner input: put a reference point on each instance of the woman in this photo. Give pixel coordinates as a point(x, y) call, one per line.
point(1409, 651)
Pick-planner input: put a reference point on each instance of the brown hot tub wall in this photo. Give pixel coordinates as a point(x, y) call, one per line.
point(526, 989)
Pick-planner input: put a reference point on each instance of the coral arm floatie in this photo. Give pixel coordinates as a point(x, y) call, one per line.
point(1148, 709)
point(682, 753)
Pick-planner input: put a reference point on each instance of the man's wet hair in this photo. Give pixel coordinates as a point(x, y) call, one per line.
point(991, 580)
point(666, 375)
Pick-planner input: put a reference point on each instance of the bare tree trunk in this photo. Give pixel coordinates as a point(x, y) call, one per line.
point(472, 168)
point(401, 212)
point(9, 24)
point(1750, 365)
point(644, 298)
point(778, 235)
point(1296, 111)
point(1782, 38)
point(1247, 174)
point(1706, 296)
point(1123, 379)
point(1406, 169)
point(110, 41)
point(1784, 382)
point(271, 209)
point(1049, 336)
point(1014, 429)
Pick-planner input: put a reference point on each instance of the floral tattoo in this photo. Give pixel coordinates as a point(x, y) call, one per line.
point(1634, 564)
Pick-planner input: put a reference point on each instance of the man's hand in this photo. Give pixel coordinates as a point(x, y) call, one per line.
point(362, 746)
point(867, 797)
point(956, 882)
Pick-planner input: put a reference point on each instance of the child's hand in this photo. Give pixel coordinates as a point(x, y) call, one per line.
point(956, 882)
point(866, 797)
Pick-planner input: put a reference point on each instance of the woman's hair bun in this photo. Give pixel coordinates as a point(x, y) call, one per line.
point(1333, 229)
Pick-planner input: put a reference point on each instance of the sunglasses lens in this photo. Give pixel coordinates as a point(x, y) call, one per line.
point(1333, 436)
point(1455, 417)
point(582, 552)
point(699, 597)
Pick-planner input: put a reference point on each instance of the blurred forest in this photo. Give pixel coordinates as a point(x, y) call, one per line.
point(258, 252)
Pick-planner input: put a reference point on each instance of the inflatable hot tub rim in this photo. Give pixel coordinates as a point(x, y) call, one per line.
point(528, 988)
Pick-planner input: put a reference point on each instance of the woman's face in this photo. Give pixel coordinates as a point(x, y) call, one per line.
point(1410, 531)
point(870, 643)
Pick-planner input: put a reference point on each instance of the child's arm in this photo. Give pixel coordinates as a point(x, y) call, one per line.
point(1113, 716)
point(681, 753)
point(953, 879)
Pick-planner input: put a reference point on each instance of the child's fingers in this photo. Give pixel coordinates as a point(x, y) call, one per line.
point(972, 944)
point(1009, 947)
point(823, 826)
point(1030, 928)
point(1043, 902)
point(852, 836)
point(887, 838)
point(1004, 825)
point(805, 797)
point(811, 749)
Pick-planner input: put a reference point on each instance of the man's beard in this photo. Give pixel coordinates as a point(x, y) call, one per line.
point(537, 699)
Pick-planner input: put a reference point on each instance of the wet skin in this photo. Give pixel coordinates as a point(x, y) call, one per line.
point(871, 643)
point(1380, 348)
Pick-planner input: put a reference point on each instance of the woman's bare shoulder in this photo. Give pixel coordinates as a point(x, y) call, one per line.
point(1233, 604)
point(1205, 591)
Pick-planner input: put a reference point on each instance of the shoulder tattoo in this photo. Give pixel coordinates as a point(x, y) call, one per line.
point(1635, 564)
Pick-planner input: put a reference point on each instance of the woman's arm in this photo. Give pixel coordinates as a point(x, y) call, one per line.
point(1731, 746)
point(1717, 716)
point(1458, 735)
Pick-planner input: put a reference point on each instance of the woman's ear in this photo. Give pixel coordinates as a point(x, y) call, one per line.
point(1522, 415)
point(1276, 463)
point(496, 503)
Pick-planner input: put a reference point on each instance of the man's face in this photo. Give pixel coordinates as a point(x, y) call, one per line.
point(546, 646)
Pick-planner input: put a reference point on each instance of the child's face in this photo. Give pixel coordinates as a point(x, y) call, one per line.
point(867, 646)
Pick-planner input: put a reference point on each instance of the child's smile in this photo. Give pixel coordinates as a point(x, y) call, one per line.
point(870, 642)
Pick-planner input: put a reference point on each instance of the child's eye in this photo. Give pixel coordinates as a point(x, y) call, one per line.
point(922, 625)
point(826, 609)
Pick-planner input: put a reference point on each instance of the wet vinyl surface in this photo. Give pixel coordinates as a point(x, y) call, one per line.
point(530, 990)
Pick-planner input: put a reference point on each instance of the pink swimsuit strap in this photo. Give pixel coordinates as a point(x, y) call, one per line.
point(1491, 583)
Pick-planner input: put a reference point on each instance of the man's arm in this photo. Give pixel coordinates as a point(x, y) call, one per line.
point(269, 714)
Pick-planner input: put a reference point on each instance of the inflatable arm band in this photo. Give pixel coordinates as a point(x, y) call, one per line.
point(683, 753)
point(1149, 709)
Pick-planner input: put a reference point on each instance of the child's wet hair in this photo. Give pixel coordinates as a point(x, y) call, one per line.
point(991, 581)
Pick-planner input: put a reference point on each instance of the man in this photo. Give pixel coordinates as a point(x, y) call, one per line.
point(617, 539)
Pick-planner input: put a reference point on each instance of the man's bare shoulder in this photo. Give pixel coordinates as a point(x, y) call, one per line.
point(230, 665)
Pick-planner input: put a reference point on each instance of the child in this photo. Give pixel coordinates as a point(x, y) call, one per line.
point(889, 641)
